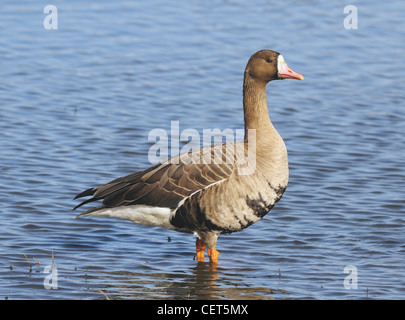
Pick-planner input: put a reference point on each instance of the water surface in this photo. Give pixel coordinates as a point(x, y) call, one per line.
point(78, 103)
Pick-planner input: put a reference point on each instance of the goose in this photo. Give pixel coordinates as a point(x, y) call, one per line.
point(211, 190)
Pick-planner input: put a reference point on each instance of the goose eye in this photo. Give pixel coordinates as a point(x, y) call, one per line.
point(269, 60)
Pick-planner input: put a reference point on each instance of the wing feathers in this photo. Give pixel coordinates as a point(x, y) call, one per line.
point(166, 184)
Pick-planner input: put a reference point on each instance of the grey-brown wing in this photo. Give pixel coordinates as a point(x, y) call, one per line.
point(166, 184)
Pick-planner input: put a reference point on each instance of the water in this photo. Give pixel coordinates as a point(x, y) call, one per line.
point(78, 103)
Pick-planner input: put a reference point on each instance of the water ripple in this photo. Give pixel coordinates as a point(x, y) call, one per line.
point(78, 105)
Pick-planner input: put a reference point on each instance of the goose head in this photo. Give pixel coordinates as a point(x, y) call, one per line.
point(268, 65)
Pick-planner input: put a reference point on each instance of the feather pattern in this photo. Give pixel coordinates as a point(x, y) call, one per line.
point(170, 182)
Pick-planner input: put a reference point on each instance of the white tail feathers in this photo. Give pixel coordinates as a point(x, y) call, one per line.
point(142, 214)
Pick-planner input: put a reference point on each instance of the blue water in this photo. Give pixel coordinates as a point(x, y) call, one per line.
point(78, 104)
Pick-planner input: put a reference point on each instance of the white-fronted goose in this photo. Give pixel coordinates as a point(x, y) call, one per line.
point(219, 191)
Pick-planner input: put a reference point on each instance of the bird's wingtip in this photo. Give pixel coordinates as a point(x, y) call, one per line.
point(85, 193)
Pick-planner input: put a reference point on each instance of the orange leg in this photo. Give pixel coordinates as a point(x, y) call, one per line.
point(213, 254)
point(200, 247)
